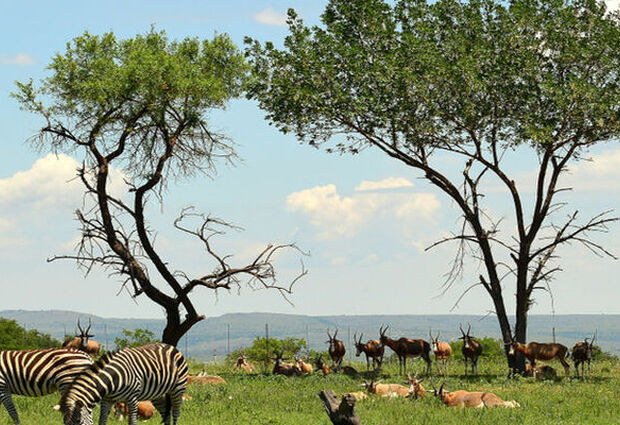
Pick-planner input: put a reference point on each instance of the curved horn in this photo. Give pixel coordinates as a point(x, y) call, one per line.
point(330, 337)
point(79, 327)
point(461, 328)
point(336, 333)
point(89, 325)
point(468, 328)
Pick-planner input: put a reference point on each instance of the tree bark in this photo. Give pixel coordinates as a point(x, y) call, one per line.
point(340, 413)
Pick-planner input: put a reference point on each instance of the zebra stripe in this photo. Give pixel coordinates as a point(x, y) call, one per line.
point(36, 373)
point(156, 372)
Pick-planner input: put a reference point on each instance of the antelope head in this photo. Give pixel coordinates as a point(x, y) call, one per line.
point(358, 344)
point(84, 335)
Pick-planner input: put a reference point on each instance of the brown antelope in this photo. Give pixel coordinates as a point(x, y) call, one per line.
point(471, 350)
point(358, 395)
point(336, 350)
point(541, 351)
point(405, 347)
point(479, 399)
point(204, 379)
point(146, 410)
point(415, 389)
point(442, 350)
point(582, 352)
point(540, 372)
point(320, 364)
point(81, 341)
point(281, 368)
point(242, 364)
point(304, 368)
point(386, 390)
point(372, 349)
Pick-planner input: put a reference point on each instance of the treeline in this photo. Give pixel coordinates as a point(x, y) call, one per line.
point(15, 337)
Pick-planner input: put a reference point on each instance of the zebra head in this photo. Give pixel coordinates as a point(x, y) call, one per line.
point(75, 413)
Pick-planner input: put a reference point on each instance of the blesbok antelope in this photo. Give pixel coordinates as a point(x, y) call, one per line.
point(405, 347)
point(304, 368)
point(82, 342)
point(281, 368)
point(415, 389)
point(204, 379)
point(146, 410)
point(471, 349)
point(441, 349)
point(540, 372)
point(541, 351)
point(386, 390)
point(372, 349)
point(320, 364)
point(242, 364)
point(336, 350)
point(479, 399)
point(581, 353)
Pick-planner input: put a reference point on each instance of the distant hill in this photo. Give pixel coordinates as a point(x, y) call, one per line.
point(233, 331)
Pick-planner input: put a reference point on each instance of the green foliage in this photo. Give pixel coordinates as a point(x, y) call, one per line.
point(15, 337)
point(135, 338)
point(262, 351)
point(491, 348)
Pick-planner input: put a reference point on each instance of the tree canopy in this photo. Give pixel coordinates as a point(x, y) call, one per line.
point(15, 337)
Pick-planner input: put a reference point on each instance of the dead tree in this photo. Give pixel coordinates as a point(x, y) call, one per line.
point(340, 412)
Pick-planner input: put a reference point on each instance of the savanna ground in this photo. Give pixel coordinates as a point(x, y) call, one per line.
point(264, 399)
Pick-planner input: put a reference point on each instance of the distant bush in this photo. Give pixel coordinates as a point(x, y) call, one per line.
point(260, 352)
point(134, 338)
point(491, 348)
point(15, 337)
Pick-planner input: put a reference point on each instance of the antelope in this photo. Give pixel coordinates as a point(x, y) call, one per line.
point(81, 341)
point(386, 390)
point(281, 368)
point(415, 389)
point(582, 352)
point(358, 395)
point(372, 348)
point(479, 399)
point(320, 364)
point(204, 379)
point(442, 350)
point(146, 410)
point(541, 351)
point(242, 364)
point(336, 349)
point(304, 368)
point(540, 372)
point(471, 349)
point(405, 347)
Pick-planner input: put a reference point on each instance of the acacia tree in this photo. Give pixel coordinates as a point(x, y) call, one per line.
point(480, 81)
point(141, 105)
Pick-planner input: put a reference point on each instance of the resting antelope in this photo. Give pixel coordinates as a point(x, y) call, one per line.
point(81, 341)
point(540, 372)
point(146, 410)
point(441, 349)
point(242, 364)
point(204, 379)
point(372, 348)
point(471, 350)
point(336, 350)
point(386, 390)
point(281, 368)
point(415, 389)
point(479, 399)
point(304, 368)
point(320, 364)
point(405, 347)
point(541, 351)
point(582, 352)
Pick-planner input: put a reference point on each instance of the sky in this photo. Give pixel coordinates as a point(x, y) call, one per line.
point(364, 219)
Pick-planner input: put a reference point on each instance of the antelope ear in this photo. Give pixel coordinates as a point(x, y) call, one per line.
point(420, 380)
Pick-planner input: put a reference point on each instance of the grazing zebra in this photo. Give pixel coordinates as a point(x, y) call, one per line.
point(156, 372)
point(36, 373)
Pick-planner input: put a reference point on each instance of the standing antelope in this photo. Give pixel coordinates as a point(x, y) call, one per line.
point(441, 349)
point(541, 351)
point(373, 348)
point(336, 350)
point(405, 347)
point(471, 350)
point(462, 398)
point(156, 372)
point(582, 352)
point(81, 341)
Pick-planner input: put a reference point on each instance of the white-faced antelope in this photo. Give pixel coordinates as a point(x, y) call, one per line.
point(479, 399)
point(582, 352)
point(372, 349)
point(540, 372)
point(416, 390)
point(471, 350)
point(281, 368)
point(541, 351)
point(386, 390)
point(336, 350)
point(82, 342)
point(442, 351)
point(243, 365)
point(405, 347)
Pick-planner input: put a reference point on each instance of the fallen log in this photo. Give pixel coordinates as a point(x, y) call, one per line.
point(340, 412)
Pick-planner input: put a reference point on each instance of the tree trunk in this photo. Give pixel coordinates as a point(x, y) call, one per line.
point(340, 413)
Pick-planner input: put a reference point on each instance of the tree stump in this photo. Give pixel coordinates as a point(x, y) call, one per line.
point(340, 412)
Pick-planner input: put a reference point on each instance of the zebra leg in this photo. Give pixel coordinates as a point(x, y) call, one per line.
point(132, 406)
point(104, 412)
point(7, 400)
point(177, 401)
point(160, 405)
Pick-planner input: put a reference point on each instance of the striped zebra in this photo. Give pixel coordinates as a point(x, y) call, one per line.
point(37, 373)
point(156, 372)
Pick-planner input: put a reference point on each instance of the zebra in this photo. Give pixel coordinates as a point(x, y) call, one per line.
point(156, 372)
point(37, 373)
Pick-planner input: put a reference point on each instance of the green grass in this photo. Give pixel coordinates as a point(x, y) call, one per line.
point(264, 399)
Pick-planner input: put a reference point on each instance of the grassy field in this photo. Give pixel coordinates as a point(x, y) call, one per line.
point(263, 399)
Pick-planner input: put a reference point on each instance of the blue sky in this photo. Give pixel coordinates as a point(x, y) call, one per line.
point(365, 219)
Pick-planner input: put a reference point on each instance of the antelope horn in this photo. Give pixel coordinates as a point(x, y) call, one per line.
point(89, 325)
point(461, 328)
point(79, 327)
point(468, 329)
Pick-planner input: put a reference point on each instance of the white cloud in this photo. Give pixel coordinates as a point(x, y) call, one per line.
point(19, 59)
point(338, 261)
point(612, 4)
point(599, 172)
point(389, 183)
point(271, 17)
point(344, 216)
